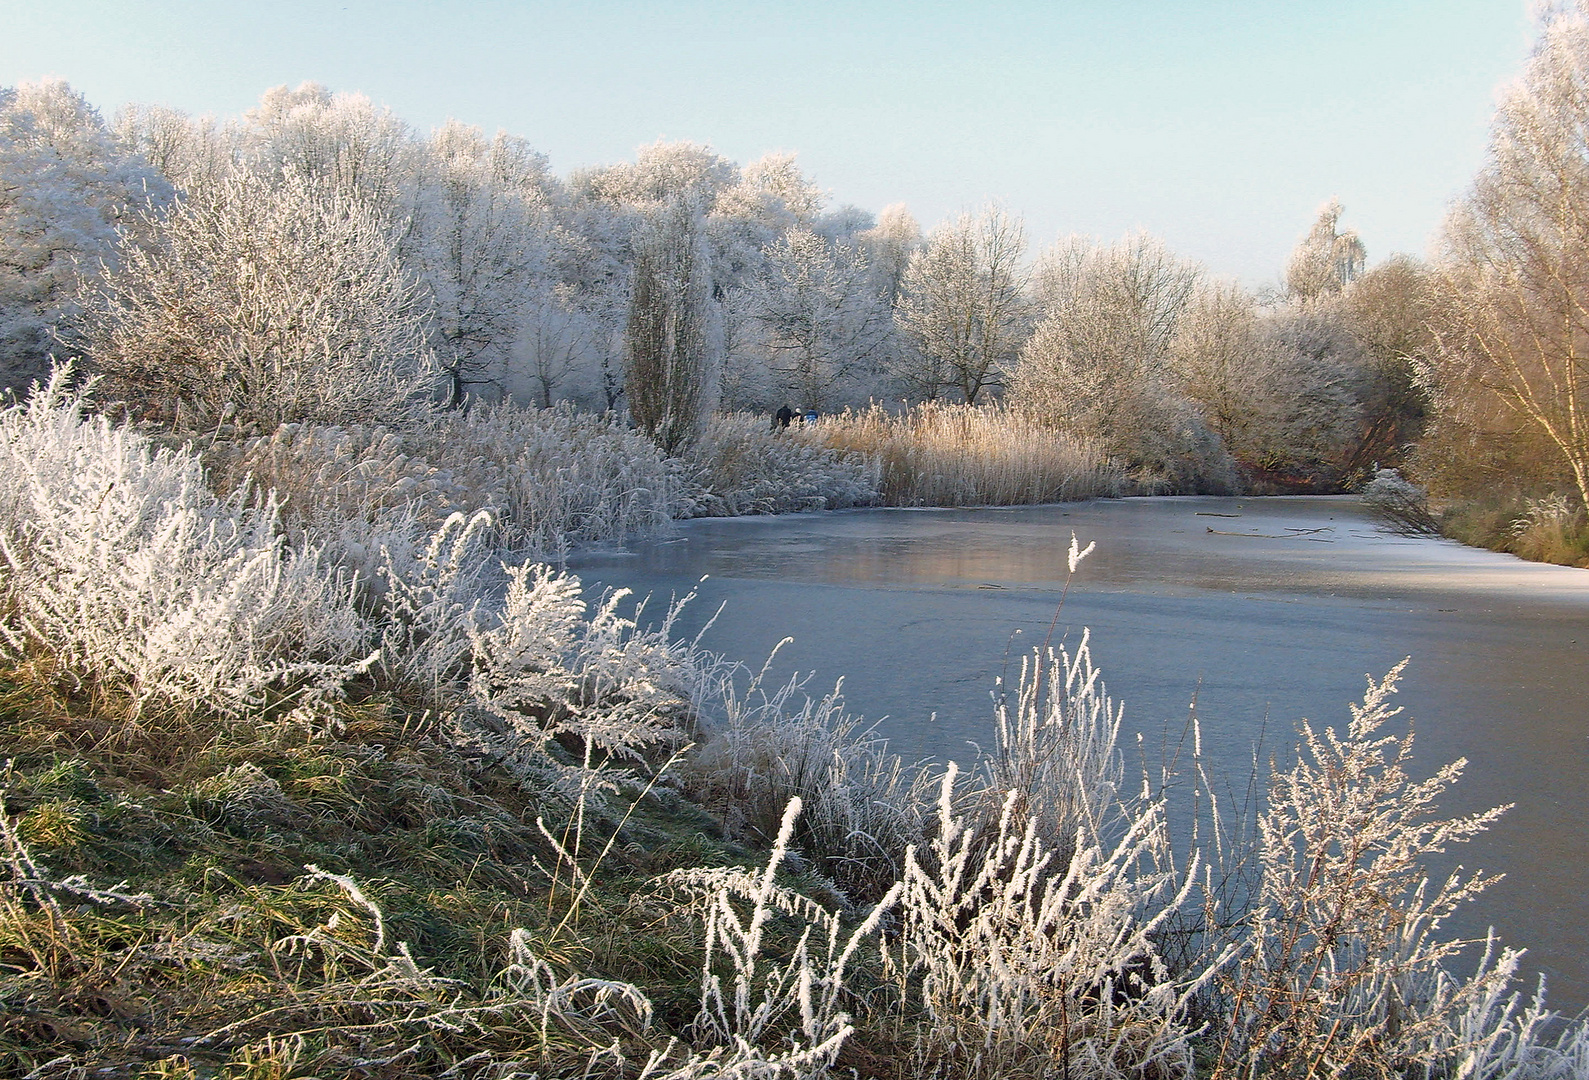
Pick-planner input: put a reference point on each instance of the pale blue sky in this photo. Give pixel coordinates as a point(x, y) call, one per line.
point(1220, 126)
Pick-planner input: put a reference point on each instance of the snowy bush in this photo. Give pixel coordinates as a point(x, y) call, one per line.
point(606, 689)
point(1401, 505)
point(744, 467)
point(572, 478)
point(1023, 957)
point(123, 566)
point(264, 304)
point(1344, 962)
point(552, 478)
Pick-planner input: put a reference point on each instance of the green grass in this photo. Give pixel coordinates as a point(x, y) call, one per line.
point(239, 963)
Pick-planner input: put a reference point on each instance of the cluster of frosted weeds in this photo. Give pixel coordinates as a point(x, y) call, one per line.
point(552, 478)
point(863, 805)
point(1026, 956)
point(1032, 911)
point(119, 564)
point(1344, 963)
point(1548, 512)
point(745, 467)
point(794, 999)
point(123, 566)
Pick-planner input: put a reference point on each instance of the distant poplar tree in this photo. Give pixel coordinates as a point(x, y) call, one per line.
point(1327, 260)
point(666, 342)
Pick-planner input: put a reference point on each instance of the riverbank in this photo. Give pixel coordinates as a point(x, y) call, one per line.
point(351, 788)
point(1547, 529)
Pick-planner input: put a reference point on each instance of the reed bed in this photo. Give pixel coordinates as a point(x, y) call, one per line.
point(743, 466)
point(958, 455)
point(553, 479)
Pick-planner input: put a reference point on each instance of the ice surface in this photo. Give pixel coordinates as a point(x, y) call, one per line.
point(1266, 610)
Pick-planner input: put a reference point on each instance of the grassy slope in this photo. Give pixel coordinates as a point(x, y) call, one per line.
point(217, 822)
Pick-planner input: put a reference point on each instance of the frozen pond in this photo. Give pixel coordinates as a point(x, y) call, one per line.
point(1267, 610)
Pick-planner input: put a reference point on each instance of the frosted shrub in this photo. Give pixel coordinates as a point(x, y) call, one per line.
point(1031, 916)
point(572, 478)
point(746, 468)
point(263, 303)
point(1343, 960)
point(958, 455)
point(863, 805)
point(1024, 958)
point(1551, 529)
point(543, 671)
point(552, 478)
point(1401, 505)
point(122, 564)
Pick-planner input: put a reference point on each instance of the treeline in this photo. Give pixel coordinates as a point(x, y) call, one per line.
point(317, 260)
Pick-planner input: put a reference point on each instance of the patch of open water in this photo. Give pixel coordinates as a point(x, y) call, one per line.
point(1266, 611)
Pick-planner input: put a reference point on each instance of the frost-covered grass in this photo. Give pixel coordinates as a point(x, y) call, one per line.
point(271, 811)
point(745, 467)
point(769, 745)
point(956, 455)
point(552, 478)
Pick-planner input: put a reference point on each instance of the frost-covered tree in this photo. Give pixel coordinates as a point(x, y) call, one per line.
point(746, 219)
point(1389, 312)
point(1321, 381)
point(771, 193)
point(820, 320)
point(552, 343)
point(1100, 364)
point(1225, 364)
point(963, 308)
point(610, 211)
point(66, 187)
point(481, 238)
point(890, 244)
point(343, 141)
point(1327, 260)
point(666, 340)
point(1281, 388)
point(660, 173)
point(190, 153)
point(1513, 349)
point(265, 303)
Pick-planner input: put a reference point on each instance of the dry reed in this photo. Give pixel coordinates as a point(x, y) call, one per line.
point(958, 455)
